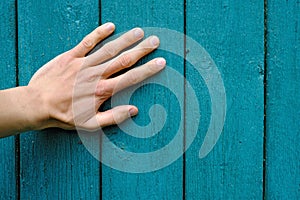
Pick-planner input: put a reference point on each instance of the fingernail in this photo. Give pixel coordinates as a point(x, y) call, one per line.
point(161, 62)
point(154, 41)
point(138, 33)
point(132, 112)
point(109, 26)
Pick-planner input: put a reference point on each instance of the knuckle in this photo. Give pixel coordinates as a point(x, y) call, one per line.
point(93, 78)
point(129, 39)
point(116, 116)
point(132, 78)
point(99, 32)
point(125, 60)
point(146, 50)
point(117, 119)
point(109, 51)
point(86, 42)
point(101, 122)
point(100, 91)
point(103, 90)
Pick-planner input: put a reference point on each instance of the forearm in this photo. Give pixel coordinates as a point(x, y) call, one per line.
point(21, 110)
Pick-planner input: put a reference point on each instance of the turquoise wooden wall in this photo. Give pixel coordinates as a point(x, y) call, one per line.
point(256, 47)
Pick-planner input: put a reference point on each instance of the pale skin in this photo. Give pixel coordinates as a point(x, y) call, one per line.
point(68, 91)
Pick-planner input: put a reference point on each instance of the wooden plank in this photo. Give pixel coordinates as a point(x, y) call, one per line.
point(7, 80)
point(165, 183)
point(54, 163)
point(232, 33)
point(283, 105)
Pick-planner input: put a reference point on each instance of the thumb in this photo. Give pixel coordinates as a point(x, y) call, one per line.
point(116, 115)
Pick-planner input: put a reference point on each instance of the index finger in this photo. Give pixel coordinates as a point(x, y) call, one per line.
point(90, 41)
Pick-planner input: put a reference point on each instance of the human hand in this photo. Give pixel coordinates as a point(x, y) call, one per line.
point(72, 86)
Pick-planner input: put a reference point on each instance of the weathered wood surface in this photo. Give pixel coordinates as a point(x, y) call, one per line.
point(256, 49)
point(54, 163)
point(233, 34)
point(8, 189)
point(165, 183)
point(283, 104)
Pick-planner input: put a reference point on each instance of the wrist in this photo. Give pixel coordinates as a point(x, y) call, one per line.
point(36, 109)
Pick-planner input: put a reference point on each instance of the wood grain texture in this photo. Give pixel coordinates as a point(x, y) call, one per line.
point(283, 105)
point(232, 33)
point(7, 80)
point(165, 183)
point(54, 163)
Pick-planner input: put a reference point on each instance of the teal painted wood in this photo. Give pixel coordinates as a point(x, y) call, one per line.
point(165, 183)
point(54, 163)
point(232, 32)
point(7, 80)
point(283, 105)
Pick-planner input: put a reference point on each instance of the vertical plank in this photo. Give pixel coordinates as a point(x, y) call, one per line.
point(232, 33)
point(7, 80)
point(54, 163)
point(165, 183)
point(283, 105)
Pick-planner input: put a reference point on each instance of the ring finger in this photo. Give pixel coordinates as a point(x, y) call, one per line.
point(129, 57)
point(132, 77)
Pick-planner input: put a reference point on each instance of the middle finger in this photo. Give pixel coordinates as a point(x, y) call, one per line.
point(112, 48)
point(129, 57)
